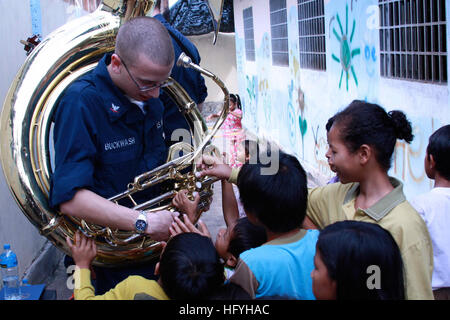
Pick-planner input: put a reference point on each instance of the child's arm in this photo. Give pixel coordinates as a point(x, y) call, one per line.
point(184, 205)
point(83, 251)
point(229, 204)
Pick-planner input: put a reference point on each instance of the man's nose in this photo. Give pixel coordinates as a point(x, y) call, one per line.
point(152, 93)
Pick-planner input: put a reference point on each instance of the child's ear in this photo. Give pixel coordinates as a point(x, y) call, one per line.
point(431, 161)
point(365, 152)
point(231, 261)
point(156, 269)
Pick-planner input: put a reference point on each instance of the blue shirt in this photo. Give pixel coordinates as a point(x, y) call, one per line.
point(192, 81)
point(102, 140)
point(281, 267)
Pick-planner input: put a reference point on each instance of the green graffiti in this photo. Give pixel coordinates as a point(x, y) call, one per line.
point(346, 52)
point(303, 125)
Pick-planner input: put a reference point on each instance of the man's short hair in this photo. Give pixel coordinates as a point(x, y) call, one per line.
point(148, 36)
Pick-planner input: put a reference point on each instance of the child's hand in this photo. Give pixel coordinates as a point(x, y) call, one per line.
point(83, 250)
point(213, 166)
point(180, 227)
point(184, 205)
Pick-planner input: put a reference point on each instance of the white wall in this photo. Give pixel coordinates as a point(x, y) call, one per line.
point(15, 23)
point(272, 95)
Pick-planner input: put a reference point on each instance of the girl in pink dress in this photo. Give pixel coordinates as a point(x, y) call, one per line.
point(232, 129)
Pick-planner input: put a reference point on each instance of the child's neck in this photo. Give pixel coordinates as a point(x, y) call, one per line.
point(273, 235)
point(374, 187)
point(441, 182)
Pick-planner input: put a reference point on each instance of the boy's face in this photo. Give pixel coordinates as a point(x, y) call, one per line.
point(222, 243)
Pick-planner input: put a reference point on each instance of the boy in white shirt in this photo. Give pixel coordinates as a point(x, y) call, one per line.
point(434, 208)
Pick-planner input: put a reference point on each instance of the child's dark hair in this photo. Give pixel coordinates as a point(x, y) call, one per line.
point(245, 236)
point(329, 124)
point(278, 200)
point(234, 97)
point(349, 248)
point(439, 148)
point(190, 267)
point(367, 123)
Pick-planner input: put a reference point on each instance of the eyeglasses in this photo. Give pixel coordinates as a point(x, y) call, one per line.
point(145, 88)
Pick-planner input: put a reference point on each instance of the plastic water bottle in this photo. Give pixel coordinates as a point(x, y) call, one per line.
point(10, 274)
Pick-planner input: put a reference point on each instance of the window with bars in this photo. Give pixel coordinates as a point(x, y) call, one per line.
point(413, 40)
point(279, 32)
point(311, 30)
point(249, 37)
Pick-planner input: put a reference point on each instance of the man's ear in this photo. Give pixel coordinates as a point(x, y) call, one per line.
point(156, 269)
point(231, 261)
point(115, 63)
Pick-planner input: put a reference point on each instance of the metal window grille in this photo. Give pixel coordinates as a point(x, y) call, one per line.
point(279, 31)
point(248, 34)
point(413, 40)
point(311, 30)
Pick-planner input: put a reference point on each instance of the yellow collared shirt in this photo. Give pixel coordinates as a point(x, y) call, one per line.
point(129, 289)
point(336, 202)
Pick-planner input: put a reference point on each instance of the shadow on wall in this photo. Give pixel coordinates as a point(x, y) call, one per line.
point(220, 59)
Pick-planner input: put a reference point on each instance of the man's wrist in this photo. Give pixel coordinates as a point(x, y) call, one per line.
point(150, 226)
point(141, 223)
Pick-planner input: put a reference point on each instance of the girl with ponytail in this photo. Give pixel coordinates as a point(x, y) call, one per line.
point(232, 129)
point(361, 140)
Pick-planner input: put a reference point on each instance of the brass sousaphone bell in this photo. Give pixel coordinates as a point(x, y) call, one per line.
point(26, 134)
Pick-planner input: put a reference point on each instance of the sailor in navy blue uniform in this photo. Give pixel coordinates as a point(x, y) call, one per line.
point(108, 129)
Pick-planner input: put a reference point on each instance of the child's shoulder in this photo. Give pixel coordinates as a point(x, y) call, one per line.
point(405, 224)
point(278, 247)
point(435, 199)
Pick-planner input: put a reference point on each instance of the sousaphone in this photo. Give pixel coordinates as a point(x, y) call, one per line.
point(26, 134)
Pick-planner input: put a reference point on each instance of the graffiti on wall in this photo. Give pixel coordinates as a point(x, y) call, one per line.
point(347, 52)
point(408, 159)
point(320, 148)
point(298, 101)
point(296, 115)
point(251, 99)
point(264, 63)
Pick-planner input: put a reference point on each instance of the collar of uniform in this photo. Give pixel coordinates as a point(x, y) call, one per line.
point(380, 209)
point(115, 101)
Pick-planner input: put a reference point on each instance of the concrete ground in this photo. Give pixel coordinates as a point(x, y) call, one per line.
point(213, 218)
